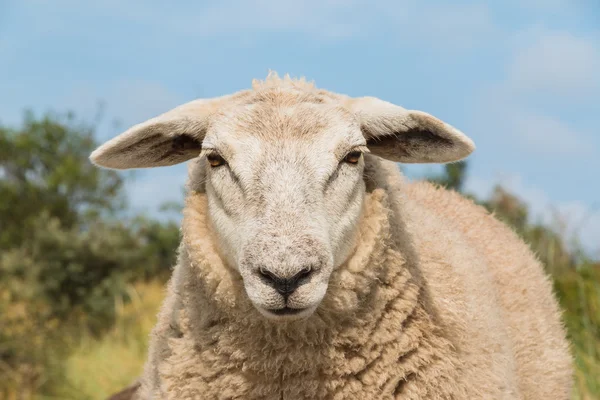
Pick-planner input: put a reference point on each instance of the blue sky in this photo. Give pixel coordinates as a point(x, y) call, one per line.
point(521, 77)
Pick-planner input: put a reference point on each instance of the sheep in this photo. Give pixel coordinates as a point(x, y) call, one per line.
point(309, 268)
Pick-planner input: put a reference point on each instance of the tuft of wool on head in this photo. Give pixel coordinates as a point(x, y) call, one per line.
point(274, 81)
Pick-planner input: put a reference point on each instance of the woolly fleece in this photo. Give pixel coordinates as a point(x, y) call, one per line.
point(439, 300)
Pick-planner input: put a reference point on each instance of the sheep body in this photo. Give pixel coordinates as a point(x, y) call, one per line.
point(412, 292)
point(439, 300)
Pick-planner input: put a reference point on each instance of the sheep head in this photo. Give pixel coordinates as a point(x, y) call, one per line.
point(282, 168)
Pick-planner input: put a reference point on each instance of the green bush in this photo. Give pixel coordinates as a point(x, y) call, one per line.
point(67, 248)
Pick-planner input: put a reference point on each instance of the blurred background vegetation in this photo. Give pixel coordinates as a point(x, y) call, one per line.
point(82, 277)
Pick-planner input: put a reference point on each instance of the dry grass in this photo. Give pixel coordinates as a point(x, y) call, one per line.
point(101, 367)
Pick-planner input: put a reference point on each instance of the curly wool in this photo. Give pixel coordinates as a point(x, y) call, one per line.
point(425, 308)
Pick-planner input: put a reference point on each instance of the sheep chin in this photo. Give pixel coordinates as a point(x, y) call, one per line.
point(287, 314)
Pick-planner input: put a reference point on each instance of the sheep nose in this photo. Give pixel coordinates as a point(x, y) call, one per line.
point(285, 286)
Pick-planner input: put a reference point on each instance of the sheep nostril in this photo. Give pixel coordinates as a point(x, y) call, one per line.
point(285, 286)
point(268, 275)
point(305, 272)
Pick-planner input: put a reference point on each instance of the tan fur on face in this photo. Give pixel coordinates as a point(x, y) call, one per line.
point(419, 293)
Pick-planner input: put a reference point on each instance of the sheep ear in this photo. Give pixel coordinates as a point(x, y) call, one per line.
point(408, 136)
point(168, 139)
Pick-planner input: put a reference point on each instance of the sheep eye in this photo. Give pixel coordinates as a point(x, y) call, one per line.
point(353, 157)
point(215, 160)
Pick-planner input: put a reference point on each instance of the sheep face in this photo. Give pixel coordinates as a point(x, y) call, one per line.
point(285, 190)
point(282, 167)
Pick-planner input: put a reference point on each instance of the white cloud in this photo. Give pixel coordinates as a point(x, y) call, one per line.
point(547, 135)
point(515, 121)
point(558, 63)
point(414, 23)
point(544, 68)
point(316, 17)
point(435, 24)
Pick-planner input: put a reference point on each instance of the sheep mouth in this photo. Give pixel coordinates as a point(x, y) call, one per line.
point(286, 311)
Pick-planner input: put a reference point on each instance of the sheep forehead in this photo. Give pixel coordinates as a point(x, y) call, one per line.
point(282, 116)
point(274, 122)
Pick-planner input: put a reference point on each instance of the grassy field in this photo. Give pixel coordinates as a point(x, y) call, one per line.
point(579, 294)
point(101, 367)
